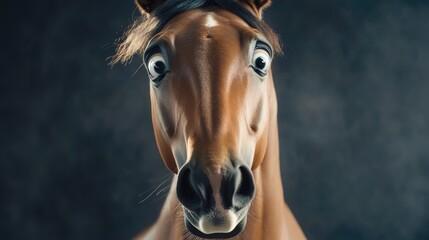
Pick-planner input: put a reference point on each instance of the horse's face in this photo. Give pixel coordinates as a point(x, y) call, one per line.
point(210, 76)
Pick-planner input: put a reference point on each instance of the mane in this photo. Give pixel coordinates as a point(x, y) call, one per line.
point(145, 27)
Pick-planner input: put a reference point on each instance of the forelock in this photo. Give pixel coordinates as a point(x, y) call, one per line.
point(145, 27)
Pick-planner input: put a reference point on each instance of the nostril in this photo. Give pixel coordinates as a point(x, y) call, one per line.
point(186, 194)
point(246, 190)
point(238, 188)
point(193, 188)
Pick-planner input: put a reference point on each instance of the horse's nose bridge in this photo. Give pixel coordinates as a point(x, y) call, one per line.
point(217, 114)
point(213, 75)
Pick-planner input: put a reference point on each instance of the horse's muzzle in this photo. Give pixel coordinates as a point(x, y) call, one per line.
point(215, 199)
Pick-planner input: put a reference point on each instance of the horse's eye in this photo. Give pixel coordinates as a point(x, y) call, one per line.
point(156, 66)
point(261, 61)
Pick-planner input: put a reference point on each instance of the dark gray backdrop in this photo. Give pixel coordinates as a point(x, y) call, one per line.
point(77, 148)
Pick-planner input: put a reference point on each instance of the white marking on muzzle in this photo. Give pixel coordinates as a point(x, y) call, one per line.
point(218, 222)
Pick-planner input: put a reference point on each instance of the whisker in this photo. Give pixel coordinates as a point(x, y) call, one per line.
point(156, 189)
point(141, 65)
point(163, 189)
point(163, 178)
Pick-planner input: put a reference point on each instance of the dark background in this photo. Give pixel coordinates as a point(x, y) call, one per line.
point(77, 150)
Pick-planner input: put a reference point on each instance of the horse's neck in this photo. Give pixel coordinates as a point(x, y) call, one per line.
point(266, 218)
point(269, 217)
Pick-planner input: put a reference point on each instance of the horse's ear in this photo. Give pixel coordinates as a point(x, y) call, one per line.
point(148, 6)
point(257, 6)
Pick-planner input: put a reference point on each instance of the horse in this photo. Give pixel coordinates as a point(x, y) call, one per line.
point(214, 115)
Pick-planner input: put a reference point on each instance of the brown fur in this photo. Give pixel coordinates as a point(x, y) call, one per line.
point(212, 106)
